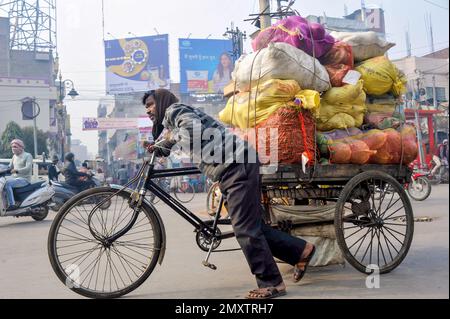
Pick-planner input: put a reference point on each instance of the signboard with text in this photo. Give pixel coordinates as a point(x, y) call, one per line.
point(137, 64)
point(205, 65)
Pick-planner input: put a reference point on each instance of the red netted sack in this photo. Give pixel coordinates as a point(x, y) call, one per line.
point(296, 131)
point(340, 153)
point(361, 153)
point(338, 61)
point(375, 139)
point(390, 153)
point(410, 145)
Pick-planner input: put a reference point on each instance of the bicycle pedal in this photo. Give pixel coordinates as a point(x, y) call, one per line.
point(209, 265)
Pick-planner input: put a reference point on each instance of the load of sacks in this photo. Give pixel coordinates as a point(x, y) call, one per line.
point(389, 146)
point(302, 80)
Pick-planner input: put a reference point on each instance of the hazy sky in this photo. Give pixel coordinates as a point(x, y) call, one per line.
point(80, 34)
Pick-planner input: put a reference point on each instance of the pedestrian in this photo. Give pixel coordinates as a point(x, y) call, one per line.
point(122, 175)
point(240, 184)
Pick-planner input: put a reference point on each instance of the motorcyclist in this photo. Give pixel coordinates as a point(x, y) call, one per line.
point(53, 171)
point(440, 157)
point(21, 167)
point(72, 175)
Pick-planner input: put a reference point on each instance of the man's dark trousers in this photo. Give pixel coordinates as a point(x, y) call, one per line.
point(241, 186)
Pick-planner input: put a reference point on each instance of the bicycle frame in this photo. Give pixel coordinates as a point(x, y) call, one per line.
point(146, 184)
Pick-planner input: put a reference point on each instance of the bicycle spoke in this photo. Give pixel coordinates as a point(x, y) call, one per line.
point(393, 246)
point(359, 241)
point(369, 246)
point(387, 229)
point(354, 233)
point(404, 235)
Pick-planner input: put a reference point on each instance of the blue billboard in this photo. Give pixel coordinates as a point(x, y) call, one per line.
point(137, 64)
point(205, 65)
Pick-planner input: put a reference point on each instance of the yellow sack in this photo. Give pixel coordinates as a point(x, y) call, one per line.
point(270, 96)
point(347, 94)
point(381, 108)
point(342, 108)
point(381, 76)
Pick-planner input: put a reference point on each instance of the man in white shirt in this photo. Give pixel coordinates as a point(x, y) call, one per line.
point(21, 167)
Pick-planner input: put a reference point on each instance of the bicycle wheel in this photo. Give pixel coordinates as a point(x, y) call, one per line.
point(184, 194)
point(370, 231)
point(88, 266)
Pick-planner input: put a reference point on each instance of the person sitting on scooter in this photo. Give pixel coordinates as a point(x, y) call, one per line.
point(53, 172)
point(21, 167)
point(440, 157)
point(72, 175)
point(84, 169)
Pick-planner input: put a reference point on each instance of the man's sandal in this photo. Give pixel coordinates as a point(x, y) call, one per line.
point(300, 273)
point(265, 293)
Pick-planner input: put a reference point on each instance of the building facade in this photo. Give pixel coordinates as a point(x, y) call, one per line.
point(427, 79)
point(26, 75)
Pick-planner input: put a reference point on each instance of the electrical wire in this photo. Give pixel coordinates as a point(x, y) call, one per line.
point(435, 4)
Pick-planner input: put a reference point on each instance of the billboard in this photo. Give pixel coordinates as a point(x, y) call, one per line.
point(104, 124)
point(137, 64)
point(205, 65)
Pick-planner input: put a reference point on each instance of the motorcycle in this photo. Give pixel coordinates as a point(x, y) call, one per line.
point(64, 192)
point(419, 188)
point(33, 198)
point(442, 175)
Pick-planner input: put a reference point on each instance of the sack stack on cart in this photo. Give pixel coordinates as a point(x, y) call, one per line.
point(334, 98)
point(294, 61)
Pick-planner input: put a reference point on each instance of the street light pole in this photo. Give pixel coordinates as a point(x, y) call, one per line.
point(62, 109)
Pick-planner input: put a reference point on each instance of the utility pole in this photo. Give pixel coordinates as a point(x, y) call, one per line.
point(237, 37)
point(35, 115)
point(408, 44)
point(418, 124)
point(435, 104)
point(264, 10)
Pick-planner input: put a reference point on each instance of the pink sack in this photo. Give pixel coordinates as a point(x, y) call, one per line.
point(298, 32)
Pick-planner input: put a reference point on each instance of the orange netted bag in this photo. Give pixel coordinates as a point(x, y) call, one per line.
point(361, 152)
point(410, 145)
point(338, 61)
point(375, 139)
point(296, 131)
point(390, 153)
point(340, 153)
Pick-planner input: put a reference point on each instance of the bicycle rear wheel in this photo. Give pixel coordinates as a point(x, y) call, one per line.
point(184, 194)
point(89, 267)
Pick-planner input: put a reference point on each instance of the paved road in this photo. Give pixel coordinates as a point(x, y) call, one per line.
point(25, 271)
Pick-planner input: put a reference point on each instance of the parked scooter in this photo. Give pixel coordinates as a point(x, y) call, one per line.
point(64, 192)
point(33, 199)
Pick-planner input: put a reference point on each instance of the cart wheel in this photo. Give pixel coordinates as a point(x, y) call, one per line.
point(374, 229)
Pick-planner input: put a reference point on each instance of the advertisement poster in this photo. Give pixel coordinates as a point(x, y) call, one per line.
point(205, 65)
point(128, 150)
point(104, 124)
point(137, 64)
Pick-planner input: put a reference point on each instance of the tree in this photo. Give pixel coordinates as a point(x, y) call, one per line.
point(28, 139)
point(11, 132)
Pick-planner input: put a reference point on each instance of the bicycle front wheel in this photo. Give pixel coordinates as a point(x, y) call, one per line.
point(88, 266)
